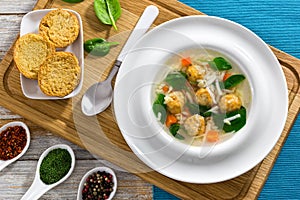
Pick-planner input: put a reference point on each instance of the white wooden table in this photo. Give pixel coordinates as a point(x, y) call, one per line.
point(17, 178)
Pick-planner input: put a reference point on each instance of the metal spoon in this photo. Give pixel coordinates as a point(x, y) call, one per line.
point(99, 96)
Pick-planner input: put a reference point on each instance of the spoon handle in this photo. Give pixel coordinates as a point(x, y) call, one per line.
point(149, 15)
point(114, 70)
point(35, 191)
point(3, 164)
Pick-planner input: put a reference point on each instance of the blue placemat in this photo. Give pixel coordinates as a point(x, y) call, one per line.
point(277, 22)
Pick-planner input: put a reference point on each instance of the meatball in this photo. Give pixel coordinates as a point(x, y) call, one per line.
point(195, 72)
point(195, 125)
point(175, 102)
point(230, 102)
point(203, 97)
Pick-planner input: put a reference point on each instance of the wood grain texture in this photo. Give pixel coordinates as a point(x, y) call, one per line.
point(101, 136)
point(16, 179)
point(16, 7)
point(9, 29)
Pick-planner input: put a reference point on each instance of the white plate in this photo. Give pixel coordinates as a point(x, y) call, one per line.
point(143, 66)
point(30, 24)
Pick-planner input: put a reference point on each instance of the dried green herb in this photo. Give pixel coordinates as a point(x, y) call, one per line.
point(55, 166)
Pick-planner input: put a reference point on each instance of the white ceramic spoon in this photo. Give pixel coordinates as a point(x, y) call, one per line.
point(99, 96)
point(101, 169)
point(38, 187)
point(4, 163)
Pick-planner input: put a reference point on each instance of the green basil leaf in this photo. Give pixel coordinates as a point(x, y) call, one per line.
point(174, 128)
point(108, 11)
point(176, 80)
point(221, 64)
point(233, 80)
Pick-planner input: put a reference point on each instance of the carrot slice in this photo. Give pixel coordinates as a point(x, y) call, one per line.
point(226, 76)
point(171, 119)
point(212, 136)
point(165, 88)
point(185, 62)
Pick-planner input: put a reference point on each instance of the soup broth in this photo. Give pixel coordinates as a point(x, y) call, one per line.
point(203, 98)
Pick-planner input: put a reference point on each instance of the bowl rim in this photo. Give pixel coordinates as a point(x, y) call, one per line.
point(224, 145)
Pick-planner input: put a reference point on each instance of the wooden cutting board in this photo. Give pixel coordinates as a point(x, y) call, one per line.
point(101, 135)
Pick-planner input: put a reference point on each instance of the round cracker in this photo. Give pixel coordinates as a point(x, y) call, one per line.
point(59, 75)
point(31, 50)
point(60, 27)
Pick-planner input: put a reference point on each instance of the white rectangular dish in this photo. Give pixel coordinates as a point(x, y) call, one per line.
point(30, 24)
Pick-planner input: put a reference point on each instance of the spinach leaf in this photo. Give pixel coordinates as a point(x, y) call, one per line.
point(160, 99)
point(176, 80)
point(174, 128)
point(218, 119)
point(179, 137)
point(219, 63)
point(198, 109)
point(235, 124)
point(193, 108)
point(108, 11)
point(159, 107)
point(238, 123)
point(233, 80)
point(98, 46)
point(203, 111)
point(213, 65)
point(183, 74)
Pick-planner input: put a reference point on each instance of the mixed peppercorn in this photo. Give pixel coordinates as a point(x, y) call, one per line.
point(98, 186)
point(12, 142)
